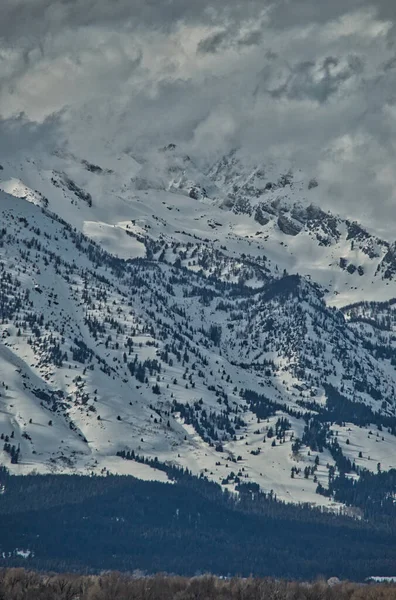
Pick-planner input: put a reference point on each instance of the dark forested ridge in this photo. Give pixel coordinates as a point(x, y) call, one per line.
point(88, 524)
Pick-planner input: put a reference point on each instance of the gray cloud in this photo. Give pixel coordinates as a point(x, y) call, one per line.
point(229, 38)
point(19, 135)
point(213, 42)
point(309, 81)
point(318, 80)
point(300, 12)
point(251, 39)
point(37, 17)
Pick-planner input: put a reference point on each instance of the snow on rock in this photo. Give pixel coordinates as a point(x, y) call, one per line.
point(203, 318)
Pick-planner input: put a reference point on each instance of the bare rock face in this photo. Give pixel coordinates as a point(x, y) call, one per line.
point(260, 217)
point(288, 226)
point(388, 265)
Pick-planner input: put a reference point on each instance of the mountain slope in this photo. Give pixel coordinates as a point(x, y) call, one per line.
point(147, 311)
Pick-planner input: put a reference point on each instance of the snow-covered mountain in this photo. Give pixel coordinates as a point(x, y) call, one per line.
point(217, 318)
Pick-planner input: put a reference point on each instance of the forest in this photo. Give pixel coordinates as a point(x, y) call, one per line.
point(86, 525)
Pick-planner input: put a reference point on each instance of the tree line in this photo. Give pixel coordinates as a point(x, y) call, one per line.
point(18, 584)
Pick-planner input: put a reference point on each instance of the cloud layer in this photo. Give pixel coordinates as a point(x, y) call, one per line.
point(310, 81)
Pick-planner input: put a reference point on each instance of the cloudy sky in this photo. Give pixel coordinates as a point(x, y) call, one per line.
point(310, 81)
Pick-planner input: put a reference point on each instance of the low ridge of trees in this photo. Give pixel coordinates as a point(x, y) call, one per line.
point(16, 584)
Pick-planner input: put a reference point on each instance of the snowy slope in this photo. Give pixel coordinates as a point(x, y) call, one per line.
point(141, 298)
point(272, 216)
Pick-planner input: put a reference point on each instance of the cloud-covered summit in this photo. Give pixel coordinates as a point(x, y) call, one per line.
point(309, 81)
